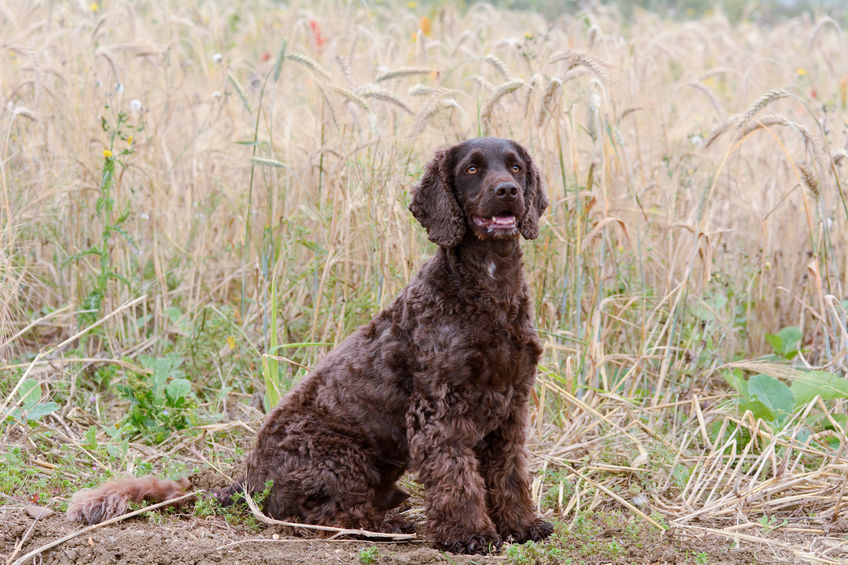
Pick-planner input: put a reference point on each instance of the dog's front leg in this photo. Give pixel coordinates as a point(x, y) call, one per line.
point(441, 439)
point(503, 461)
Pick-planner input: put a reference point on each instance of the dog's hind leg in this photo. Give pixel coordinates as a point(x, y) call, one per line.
point(322, 476)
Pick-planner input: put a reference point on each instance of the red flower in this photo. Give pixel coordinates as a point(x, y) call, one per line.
point(266, 56)
point(316, 33)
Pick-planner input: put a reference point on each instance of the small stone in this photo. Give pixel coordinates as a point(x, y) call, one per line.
point(38, 512)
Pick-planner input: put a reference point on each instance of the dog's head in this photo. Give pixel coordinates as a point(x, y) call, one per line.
point(487, 185)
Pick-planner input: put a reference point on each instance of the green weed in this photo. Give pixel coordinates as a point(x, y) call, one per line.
point(112, 222)
point(770, 523)
point(31, 406)
point(161, 401)
point(368, 555)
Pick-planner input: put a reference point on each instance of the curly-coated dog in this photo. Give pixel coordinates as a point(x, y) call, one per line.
point(436, 383)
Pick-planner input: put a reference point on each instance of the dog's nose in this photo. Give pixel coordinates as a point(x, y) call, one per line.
point(506, 191)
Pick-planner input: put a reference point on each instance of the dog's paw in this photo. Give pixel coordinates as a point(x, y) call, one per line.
point(397, 525)
point(537, 530)
point(473, 544)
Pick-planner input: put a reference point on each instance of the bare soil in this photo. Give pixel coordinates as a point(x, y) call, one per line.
point(181, 537)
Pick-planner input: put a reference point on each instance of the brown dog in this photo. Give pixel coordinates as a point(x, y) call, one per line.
point(437, 383)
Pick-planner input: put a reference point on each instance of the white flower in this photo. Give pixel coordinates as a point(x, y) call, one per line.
point(119, 88)
point(135, 105)
point(217, 57)
point(216, 94)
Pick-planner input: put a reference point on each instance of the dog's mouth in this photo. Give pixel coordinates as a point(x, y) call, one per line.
point(502, 223)
point(504, 220)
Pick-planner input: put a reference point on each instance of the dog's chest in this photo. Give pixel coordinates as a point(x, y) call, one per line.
point(503, 358)
point(492, 408)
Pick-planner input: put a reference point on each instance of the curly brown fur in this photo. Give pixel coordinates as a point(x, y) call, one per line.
point(437, 383)
point(92, 506)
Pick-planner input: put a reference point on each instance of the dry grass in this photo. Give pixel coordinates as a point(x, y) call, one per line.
point(676, 240)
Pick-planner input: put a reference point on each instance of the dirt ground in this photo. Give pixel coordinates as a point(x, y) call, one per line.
point(184, 538)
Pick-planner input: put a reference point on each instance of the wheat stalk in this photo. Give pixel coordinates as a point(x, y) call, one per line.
point(344, 65)
point(503, 90)
point(740, 120)
point(460, 41)
point(373, 91)
point(483, 82)
point(499, 65)
point(427, 111)
point(402, 72)
point(761, 103)
point(550, 98)
point(309, 63)
point(777, 120)
point(697, 85)
point(424, 90)
point(240, 91)
point(351, 96)
point(823, 22)
point(809, 180)
point(578, 58)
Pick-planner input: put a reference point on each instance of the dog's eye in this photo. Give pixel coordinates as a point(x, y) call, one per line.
point(472, 170)
point(516, 168)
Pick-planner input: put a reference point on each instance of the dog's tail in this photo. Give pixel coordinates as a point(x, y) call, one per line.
point(111, 499)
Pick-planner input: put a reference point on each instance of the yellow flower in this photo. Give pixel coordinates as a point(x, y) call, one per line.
point(426, 26)
point(129, 140)
point(231, 342)
point(93, 7)
point(411, 5)
point(801, 71)
point(107, 153)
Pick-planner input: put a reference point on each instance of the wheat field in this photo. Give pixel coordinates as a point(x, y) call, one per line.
point(224, 188)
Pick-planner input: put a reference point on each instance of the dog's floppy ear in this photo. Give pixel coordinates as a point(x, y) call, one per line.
point(534, 197)
point(434, 204)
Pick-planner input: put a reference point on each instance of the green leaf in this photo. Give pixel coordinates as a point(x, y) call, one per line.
point(29, 393)
point(735, 379)
point(791, 337)
point(841, 419)
point(706, 310)
point(174, 314)
point(91, 438)
point(775, 395)
point(786, 342)
point(818, 383)
point(776, 343)
point(162, 368)
point(758, 409)
point(40, 410)
point(178, 389)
